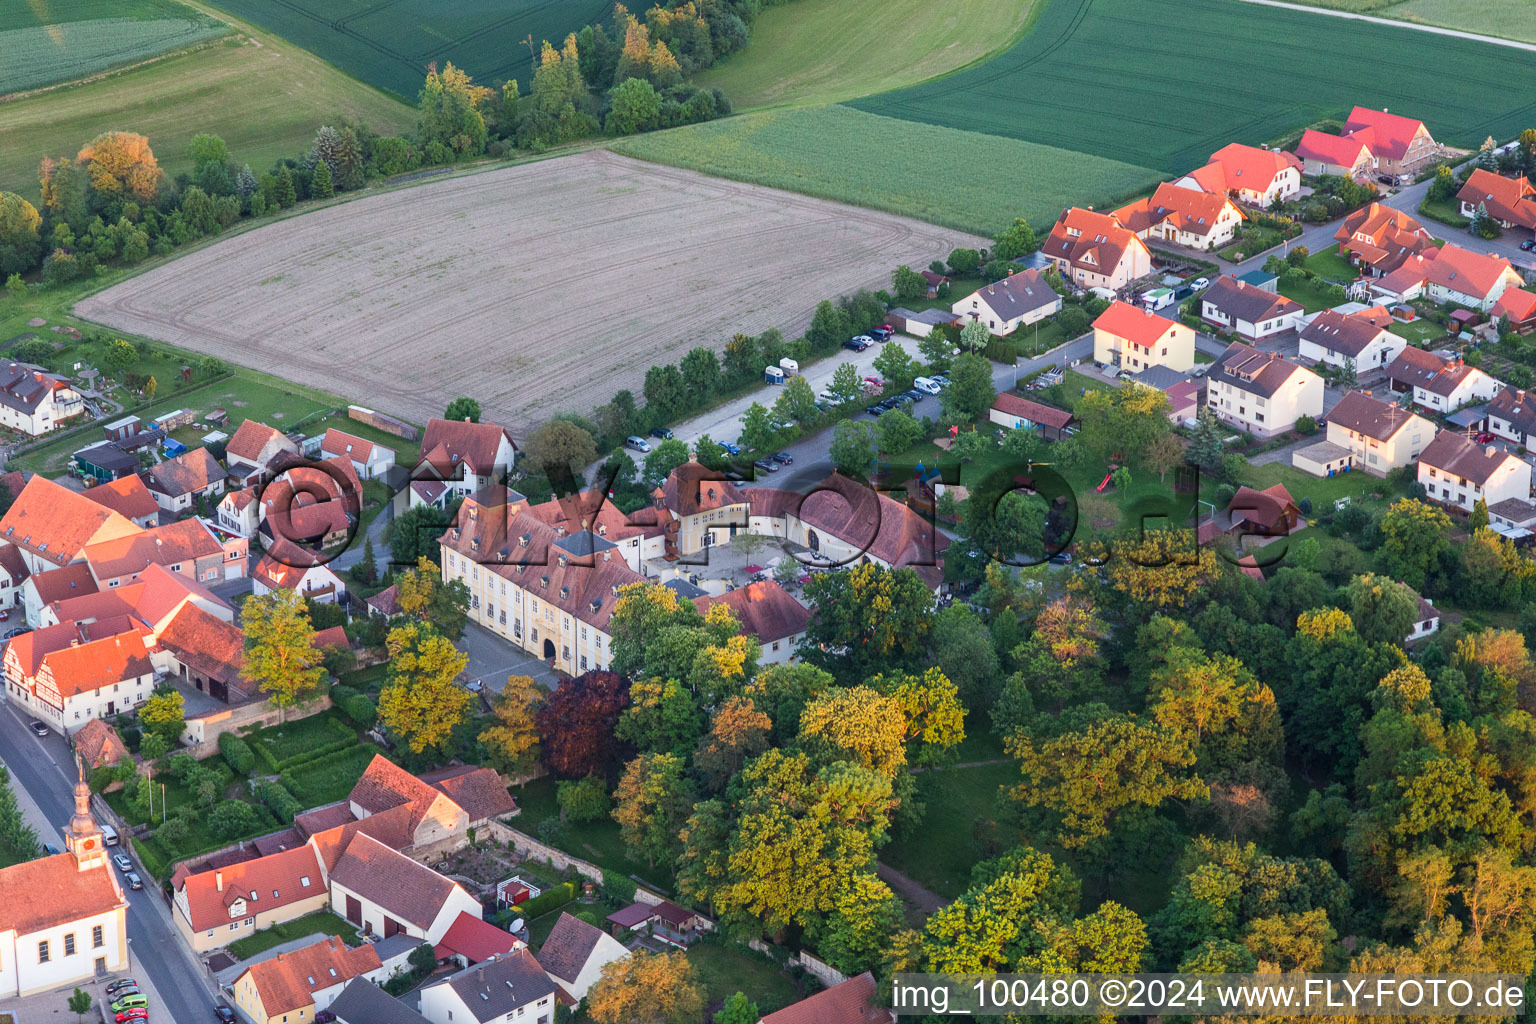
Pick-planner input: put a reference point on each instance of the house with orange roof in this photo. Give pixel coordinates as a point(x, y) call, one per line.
point(1138, 338)
point(287, 566)
point(239, 513)
point(1509, 201)
point(370, 461)
point(63, 918)
point(290, 988)
point(70, 673)
point(1379, 239)
point(52, 525)
point(41, 589)
point(206, 653)
point(1519, 306)
point(214, 908)
point(1323, 153)
point(249, 454)
point(462, 457)
point(768, 612)
point(1094, 250)
point(1399, 145)
point(128, 497)
point(13, 574)
point(1468, 278)
point(855, 1001)
point(1187, 217)
point(311, 508)
point(186, 546)
point(99, 745)
point(1255, 175)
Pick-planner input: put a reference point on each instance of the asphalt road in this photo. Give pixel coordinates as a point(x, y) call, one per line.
point(45, 769)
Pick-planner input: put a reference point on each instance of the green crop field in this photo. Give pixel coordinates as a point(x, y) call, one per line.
point(1164, 83)
point(825, 51)
point(389, 44)
point(264, 96)
point(1507, 19)
point(964, 180)
point(45, 44)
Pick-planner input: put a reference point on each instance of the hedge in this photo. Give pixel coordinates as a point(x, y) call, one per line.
point(549, 899)
point(619, 888)
point(1001, 350)
point(279, 801)
point(355, 704)
point(237, 753)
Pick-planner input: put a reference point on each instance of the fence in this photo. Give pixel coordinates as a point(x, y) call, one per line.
point(818, 969)
point(202, 732)
point(531, 849)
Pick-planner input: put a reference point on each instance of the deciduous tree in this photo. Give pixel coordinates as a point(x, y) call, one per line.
point(512, 742)
point(653, 800)
point(875, 618)
point(576, 724)
point(422, 703)
point(121, 166)
point(644, 988)
point(280, 657)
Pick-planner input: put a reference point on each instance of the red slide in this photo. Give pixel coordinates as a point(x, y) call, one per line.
point(1105, 482)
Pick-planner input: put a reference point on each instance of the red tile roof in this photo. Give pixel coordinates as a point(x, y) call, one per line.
point(887, 529)
point(1185, 208)
point(479, 791)
point(1331, 149)
point(1517, 304)
point(447, 443)
point(51, 891)
point(179, 543)
point(1093, 241)
point(1388, 135)
point(92, 665)
point(288, 981)
point(385, 784)
point(1139, 326)
point(1046, 415)
point(340, 444)
point(205, 644)
point(1468, 272)
point(475, 940)
point(1267, 508)
point(248, 441)
point(126, 496)
point(332, 838)
point(407, 891)
point(98, 743)
point(12, 564)
point(764, 609)
point(55, 523)
point(852, 1002)
point(62, 584)
point(1509, 200)
point(188, 472)
point(1248, 167)
point(335, 636)
point(210, 894)
point(1382, 237)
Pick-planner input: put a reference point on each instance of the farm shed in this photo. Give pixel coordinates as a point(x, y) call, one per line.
point(919, 325)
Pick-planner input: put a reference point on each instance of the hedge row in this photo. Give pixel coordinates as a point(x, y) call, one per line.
point(356, 705)
point(1001, 350)
point(277, 767)
point(237, 753)
point(549, 899)
point(279, 801)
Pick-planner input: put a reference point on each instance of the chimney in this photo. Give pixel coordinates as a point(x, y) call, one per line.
point(218, 880)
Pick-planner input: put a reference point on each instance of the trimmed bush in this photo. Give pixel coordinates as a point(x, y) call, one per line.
point(549, 899)
point(1001, 350)
point(618, 888)
point(361, 709)
point(279, 801)
point(237, 753)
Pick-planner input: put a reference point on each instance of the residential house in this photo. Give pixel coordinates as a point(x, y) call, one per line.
point(513, 988)
point(249, 454)
point(1271, 512)
point(290, 988)
point(1380, 436)
point(1468, 278)
point(1202, 220)
point(103, 461)
point(239, 513)
point(1519, 307)
point(129, 498)
point(575, 954)
point(1256, 175)
point(1015, 301)
point(768, 612)
point(1511, 414)
point(1017, 413)
point(52, 525)
point(384, 892)
point(177, 483)
point(1513, 517)
point(1362, 337)
point(1457, 472)
point(1400, 145)
point(1443, 385)
point(469, 941)
point(1138, 338)
point(1093, 250)
point(1322, 153)
point(463, 457)
point(855, 1001)
point(33, 401)
point(99, 746)
point(1426, 620)
point(13, 574)
point(69, 673)
point(1250, 312)
point(187, 546)
point(1379, 239)
point(1408, 282)
point(363, 1002)
point(41, 589)
point(1509, 201)
point(215, 908)
point(1262, 392)
point(370, 461)
point(918, 324)
point(935, 281)
point(207, 653)
point(287, 566)
point(665, 922)
point(63, 920)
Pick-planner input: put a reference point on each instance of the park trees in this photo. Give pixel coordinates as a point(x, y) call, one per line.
point(1382, 609)
point(422, 595)
point(652, 802)
point(663, 458)
point(662, 716)
point(560, 446)
point(853, 447)
point(970, 392)
point(1413, 541)
point(896, 366)
point(1122, 424)
point(280, 657)
point(880, 619)
point(738, 732)
point(20, 243)
point(512, 742)
point(422, 702)
point(576, 724)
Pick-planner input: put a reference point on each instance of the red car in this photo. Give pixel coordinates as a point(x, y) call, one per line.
point(1484, 437)
point(137, 1013)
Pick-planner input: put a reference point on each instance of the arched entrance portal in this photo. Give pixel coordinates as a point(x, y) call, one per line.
point(812, 541)
point(549, 650)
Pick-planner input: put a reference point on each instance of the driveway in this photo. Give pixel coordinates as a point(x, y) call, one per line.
point(492, 660)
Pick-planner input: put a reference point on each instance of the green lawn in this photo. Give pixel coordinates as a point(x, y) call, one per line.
point(1311, 293)
point(897, 165)
point(296, 736)
point(1329, 264)
point(265, 97)
point(367, 679)
point(1252, 241)
point(725, 969)
point(1116, 79)
point(321, 922)
point(331, 778)
point(1323, 491)
point(596, 841)
point(824, 51)
point(1446, 211)
point(960, 827)
point(1420, 332)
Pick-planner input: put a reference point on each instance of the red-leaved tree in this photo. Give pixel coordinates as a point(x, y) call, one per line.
point(576, 725)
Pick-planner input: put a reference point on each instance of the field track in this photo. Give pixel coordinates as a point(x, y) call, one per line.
point(539, 288)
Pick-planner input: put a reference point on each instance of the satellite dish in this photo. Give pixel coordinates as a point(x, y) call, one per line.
point(517, 925)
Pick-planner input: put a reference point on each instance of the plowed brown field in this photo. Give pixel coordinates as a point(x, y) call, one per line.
point(537, 289)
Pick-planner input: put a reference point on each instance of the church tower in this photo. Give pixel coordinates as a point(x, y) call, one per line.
point(82, 837)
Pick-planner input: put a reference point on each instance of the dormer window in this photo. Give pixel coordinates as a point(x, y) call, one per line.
point(602, 530)
point(561, 560)
point(474, 513)
point(543, 582)
point(524, 539)
point(565, 592)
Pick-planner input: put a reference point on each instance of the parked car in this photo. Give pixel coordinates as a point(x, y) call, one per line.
point(223, 1013)
point(940, 379)
point(133, 1014)
point(1198, 283)
point(51, 850)
point(926, 385)
point(636, 443)
point(878, 409)
point(12, 634)
point(1529, 245)
point(664, 433)
point(1124, 375)
point(38, 728)
point(912, 395)
point(133, 1002)
point(1061, 558)
point(883, 332)
point(120, 984)
point(783, 458)
point(855, 345)
point(876, 381)
point(134, 881)
point(734, 449)
point(1484, 437)
point(767, 465)
point(123, 863)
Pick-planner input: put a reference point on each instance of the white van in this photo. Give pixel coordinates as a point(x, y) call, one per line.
point(927, 385)
point(109, 835)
